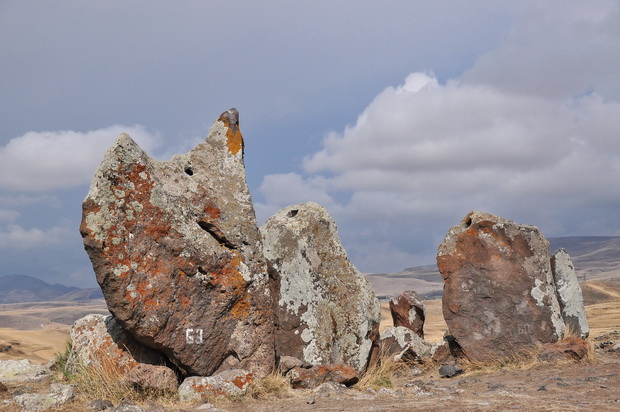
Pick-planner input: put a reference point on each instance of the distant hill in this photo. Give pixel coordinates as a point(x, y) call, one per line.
point(22, 288)
point(594, 257)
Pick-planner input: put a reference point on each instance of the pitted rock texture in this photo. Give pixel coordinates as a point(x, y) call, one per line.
point(233, 382)
point(326, 310)
point(177, 252)
point(569, 294)
point(499, 297)
point(409, 311)
point(100, 341)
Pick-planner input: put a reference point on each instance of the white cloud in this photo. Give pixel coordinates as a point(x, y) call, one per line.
point(423, 154)
point(14, 236)
point(45, 161)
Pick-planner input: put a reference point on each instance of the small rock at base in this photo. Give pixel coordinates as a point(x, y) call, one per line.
point(448, 371)
point(100, 404)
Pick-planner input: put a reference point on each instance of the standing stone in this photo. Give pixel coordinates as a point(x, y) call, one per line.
point(177, 252)
point(569, 294)
point(409, 311)
point(327, 312)
point(499, 296)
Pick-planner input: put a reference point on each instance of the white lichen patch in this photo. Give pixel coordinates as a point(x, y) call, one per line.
point(537, 292)
point(120, 269)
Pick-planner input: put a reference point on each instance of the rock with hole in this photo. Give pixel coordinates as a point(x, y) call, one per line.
point(499, 297)
point(177, 252)
point(326, 310)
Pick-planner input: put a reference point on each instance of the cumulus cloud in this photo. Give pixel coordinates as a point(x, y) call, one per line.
point(45, 161)
point(423, 154)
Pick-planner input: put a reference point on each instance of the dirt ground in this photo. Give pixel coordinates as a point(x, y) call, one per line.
point(583, 386)
point(592, 385)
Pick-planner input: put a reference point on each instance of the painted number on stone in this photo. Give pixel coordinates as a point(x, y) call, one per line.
point(193, 336)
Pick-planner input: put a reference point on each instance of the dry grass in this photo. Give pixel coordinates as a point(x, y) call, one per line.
point(383, 373)
point(274, 385)
point(104, 380)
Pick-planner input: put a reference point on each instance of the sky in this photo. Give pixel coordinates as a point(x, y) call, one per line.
point(400, 117)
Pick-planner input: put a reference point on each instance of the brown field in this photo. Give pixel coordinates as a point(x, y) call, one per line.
point(37, 331)
point(582, 386)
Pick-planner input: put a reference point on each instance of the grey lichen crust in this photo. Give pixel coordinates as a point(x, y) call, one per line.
point(569, 294)
point(337, 310)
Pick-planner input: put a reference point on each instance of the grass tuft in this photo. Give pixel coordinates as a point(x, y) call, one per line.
point(274, 385)
point(383, 372)
point(103, 380)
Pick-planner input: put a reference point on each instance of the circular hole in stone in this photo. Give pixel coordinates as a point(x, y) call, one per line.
point(189, 171)
point(468, 222)
point(293, 213)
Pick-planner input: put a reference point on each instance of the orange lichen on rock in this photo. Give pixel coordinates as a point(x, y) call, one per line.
point(234, 137)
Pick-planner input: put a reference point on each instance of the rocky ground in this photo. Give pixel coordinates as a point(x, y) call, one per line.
point(587, 385)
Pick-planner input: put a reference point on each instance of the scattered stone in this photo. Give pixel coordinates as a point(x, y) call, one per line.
point(542, 388)
point(409, 311)
point(569, 294)
point(128, 406)
point(615, 348)
point(206, 407)
point(326, 389)
point(495, 386)
point(326, 310)
point(311, 400)
point(3, 387)
point(499, 296)
point(22, 370)
point(288, 362)
point(570, 348)
point(318, 374)
point(100, 405)
point(154, 377)
point(58, 394)
point(228, 383)
point(404, 344)
point(177, 252)
point(100, 341)
point(449, 371)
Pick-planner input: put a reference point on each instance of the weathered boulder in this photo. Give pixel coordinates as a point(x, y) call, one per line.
point(58, 395)
point(22, 370)
point(326, 310)
point(571, 348)
point(228, 383)
point(100, 341)
point(569, 294)
point(404, 344)
point(177, 252)
point(409, 311)
point(318, 374)
point(153, 377)
point(499, 297)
